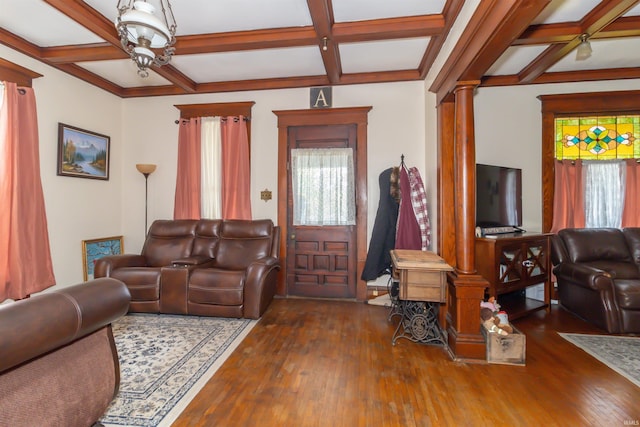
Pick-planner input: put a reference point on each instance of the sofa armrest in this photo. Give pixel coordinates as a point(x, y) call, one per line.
point(105, 265)
point(260, 286)
point(584, 275)
point(44, 322)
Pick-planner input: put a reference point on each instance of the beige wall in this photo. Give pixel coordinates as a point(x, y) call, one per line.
point(508, 126)
point(77, 208)
point(402, 121)
point(143, 131)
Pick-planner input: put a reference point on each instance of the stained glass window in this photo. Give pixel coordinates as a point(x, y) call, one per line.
point(597, 138)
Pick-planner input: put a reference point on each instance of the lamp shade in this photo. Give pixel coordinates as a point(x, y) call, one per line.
point(145, 168)
point(584, 49)
point(142, 23)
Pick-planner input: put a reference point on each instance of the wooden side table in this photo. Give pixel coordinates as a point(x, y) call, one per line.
point(422, 287)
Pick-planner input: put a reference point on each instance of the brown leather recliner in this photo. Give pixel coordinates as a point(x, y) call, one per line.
point(225, 268)
point(598, 275)
point(58, 360)
point(166, 241)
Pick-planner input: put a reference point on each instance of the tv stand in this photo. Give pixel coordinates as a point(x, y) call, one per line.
point(511, 263)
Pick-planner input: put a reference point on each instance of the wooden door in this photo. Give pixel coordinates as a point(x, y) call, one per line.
point(321, 260)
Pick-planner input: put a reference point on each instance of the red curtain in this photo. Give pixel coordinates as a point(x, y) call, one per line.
point(631, 212)
point(568, 200)
point(236, 173)
point(187, 198)
point(25, 256)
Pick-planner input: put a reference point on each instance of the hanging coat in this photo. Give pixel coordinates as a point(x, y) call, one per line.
point(408, 234)
point(419, 203)
point(383, 236)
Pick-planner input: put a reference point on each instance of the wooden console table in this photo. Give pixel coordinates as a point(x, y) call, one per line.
point(422, 287)
point(513, 262)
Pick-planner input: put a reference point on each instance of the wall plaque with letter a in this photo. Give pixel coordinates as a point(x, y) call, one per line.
point(321, 97)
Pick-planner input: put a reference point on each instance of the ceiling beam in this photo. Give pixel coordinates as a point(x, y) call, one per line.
point(390, 28)
point(495, 24)
point(450, 14)
point(170, 73)
point(600, 17)
point(566, 77)
point(86, 52)
point(322, 18)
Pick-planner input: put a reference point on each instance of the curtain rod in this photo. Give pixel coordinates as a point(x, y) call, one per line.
point(21, 91)
point(224, 119)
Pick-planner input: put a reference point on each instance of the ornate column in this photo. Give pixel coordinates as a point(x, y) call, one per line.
point(466, 288)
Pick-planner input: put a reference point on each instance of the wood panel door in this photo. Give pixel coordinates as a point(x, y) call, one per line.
point(321, 259)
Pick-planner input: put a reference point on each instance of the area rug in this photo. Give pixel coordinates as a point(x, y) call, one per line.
point(622, 354)
point(164, 361)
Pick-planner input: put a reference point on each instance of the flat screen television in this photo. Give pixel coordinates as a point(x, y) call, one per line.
point(498, 196)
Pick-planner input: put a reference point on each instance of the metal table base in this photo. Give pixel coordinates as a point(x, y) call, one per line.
point(418, 322)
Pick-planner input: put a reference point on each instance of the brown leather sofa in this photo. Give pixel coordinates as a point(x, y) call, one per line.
point(225, 268)
point(58, 361)
point(598, 275)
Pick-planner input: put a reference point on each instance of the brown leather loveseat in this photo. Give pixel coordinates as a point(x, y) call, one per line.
point(58, 361)
point(225, 268)
point(598, 274)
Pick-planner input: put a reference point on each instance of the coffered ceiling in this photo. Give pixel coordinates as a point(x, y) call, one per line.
point(270, 44)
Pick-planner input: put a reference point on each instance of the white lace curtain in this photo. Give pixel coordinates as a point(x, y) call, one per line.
point(604, 183)
point(210, 179)
point(323, 186)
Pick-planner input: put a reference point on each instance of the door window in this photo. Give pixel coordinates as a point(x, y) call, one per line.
point(323, 186)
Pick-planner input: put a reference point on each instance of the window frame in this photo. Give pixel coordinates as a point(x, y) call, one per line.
point(565, 105)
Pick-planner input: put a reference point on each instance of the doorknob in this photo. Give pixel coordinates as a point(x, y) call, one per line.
point(293, 236)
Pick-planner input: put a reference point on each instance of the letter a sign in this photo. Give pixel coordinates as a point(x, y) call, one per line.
point(321, 97)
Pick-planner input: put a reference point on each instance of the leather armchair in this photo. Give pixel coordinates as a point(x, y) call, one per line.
point(598, 275)
point(58, 360)
point(166, 241)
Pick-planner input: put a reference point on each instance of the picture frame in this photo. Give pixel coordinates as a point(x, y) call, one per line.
point(82, 153)
point(94, 249)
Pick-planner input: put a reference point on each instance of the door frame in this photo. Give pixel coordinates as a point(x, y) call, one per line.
point(320, 117)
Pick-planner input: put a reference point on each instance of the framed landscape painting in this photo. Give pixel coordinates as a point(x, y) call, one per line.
point(92, 250)
point(82, 154)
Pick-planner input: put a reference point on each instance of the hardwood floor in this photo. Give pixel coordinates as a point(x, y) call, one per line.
point(331, 363)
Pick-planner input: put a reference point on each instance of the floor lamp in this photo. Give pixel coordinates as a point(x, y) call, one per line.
point(146, 170)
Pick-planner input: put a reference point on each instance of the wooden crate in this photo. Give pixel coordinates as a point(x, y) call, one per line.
point(506, 349)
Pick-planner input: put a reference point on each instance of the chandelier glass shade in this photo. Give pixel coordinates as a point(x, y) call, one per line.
point(584, 48)
point(147, 38)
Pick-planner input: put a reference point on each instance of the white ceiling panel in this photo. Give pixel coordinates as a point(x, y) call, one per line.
point(123, 73)
point(205, 16)
point(609, 53)
point(41, 24)
point(565, 11)
point(514, 59)
point(252, 64)
point(401, 54)
point(634, 11)
point(360, 10)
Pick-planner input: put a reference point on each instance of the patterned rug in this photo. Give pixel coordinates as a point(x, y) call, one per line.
point(622, 354)
point(164, 361)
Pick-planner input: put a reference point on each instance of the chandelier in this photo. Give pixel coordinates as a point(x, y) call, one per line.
point(145, 37)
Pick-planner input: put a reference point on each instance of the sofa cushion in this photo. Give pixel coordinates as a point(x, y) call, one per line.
point(169, 240)
point(618, 270)
point(590, 244)
point(242, 242)
point(628, 294)
point(143, 282)
point(216, 286)
point(207, 238)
